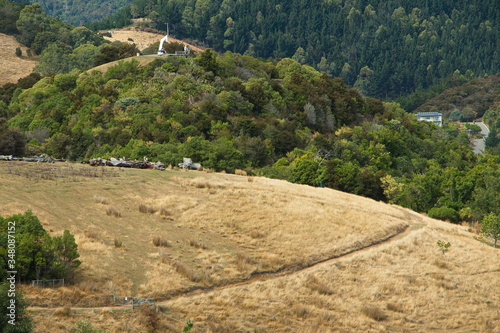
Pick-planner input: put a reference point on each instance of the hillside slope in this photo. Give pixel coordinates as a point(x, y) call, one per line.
point(385, 49)
point(144, 39)
point(78, 12)
point(219, 228)
point(12, 67)
point(477, 96)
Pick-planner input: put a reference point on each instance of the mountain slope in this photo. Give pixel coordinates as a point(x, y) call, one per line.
point(385, 49)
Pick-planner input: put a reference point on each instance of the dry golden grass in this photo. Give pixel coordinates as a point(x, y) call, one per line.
point(12, 68)
point(247, 227)
point(143, 39)
point(392, 287)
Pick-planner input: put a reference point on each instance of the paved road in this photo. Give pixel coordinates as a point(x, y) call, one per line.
point(479, 143)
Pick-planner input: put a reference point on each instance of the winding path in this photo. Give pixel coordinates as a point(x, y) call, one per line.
point(266, 275)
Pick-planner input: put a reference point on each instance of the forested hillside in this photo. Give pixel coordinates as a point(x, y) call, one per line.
point(60, 47)
point(78, 12)
point(278, 119)
point(467, 101)
point(383, 48)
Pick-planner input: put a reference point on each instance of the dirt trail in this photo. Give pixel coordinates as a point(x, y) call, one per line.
point(414, 224)
point(289, 270)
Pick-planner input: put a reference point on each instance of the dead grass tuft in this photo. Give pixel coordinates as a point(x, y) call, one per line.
point(165, 212)
point(149, 317)
point(300, 311)
point(314, 284)
point(91, 234)
point(222, 326)
point(204, 183)
point(257, 234)
point(63, 312)
point(159, 241)
point(100, 200)
point(395, 307)
point(197, 244)
point(147, 209)
point(243, 262)
point(194, 276)
point(474, 227)
point(90, 286)
point(111, 211)
point(446, 286)
point(240, 172)
point(373, 312)
point(441, 264)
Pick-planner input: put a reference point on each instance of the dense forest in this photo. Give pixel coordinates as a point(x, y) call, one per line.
point(78, 12)
point(383, 48)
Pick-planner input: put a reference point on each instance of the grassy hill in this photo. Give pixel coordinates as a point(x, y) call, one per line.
point(13, 68)
point(255, 251)
point(144, 39)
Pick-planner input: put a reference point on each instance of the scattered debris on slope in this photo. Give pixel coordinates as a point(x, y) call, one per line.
point(122, 162)
point(40, 159)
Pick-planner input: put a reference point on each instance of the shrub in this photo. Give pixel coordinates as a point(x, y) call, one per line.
point(84, 326)
point(490, 227)
point(23, 320)
point(41, 256)
point(118, 243)
point(19, 53)
point(444, 214)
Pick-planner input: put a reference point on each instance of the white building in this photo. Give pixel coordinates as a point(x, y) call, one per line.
point(433, 117)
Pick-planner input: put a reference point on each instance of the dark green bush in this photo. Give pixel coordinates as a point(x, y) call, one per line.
point(444, 213)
